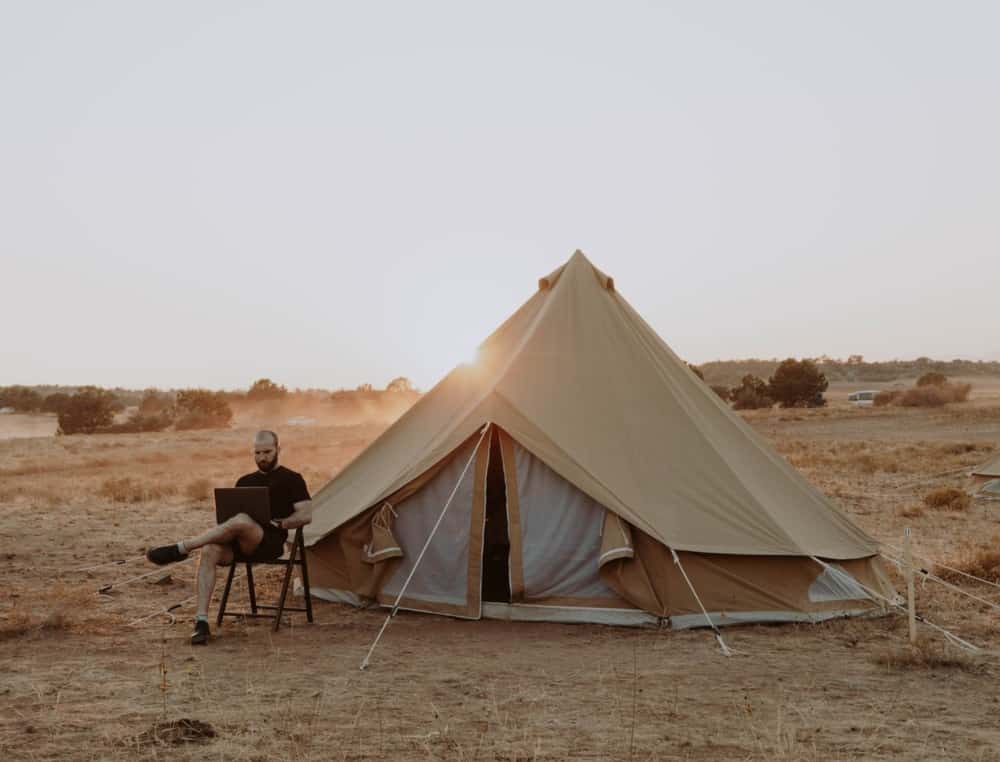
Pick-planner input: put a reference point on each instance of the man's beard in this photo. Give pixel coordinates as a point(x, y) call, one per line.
point(268, 465)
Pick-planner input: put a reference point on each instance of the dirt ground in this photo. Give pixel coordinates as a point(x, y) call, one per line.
point(81, 679)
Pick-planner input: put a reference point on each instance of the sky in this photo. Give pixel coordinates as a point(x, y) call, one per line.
point(329, 194)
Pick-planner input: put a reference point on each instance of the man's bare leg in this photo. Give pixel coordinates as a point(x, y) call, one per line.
point(212, 555)
point(241, 528)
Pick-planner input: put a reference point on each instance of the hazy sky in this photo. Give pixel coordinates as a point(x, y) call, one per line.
point(328, 194)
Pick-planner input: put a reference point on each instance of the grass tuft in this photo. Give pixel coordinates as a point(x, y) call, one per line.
point(947, 498)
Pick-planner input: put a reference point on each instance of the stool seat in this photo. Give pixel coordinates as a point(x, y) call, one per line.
point(296, 557)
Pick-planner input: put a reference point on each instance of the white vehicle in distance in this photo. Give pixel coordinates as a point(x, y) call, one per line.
point(862, 399)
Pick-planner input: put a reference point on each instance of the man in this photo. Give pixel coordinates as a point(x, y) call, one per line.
point(241, 538)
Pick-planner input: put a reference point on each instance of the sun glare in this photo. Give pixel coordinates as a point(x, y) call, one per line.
point(470, 357)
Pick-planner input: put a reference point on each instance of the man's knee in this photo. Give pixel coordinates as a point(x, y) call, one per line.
point(241, 521)
point(245, 525)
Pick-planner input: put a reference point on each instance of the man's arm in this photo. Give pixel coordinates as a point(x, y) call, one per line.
point(301, 516)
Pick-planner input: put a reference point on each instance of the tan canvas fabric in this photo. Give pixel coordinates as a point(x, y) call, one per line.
point(730, 583)
point(384, 544)
point(582, 382)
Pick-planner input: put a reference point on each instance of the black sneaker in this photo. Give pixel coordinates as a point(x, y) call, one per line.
point(200, 635)
point(165, 554)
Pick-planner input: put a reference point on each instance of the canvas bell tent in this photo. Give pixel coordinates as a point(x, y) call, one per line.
point(589, 476)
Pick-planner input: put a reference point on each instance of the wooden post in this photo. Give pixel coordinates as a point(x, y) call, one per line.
point(910, 601)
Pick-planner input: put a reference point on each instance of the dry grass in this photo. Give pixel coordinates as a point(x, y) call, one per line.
point(59, 609)
point(948, 499)
point(927, 653)
point(199, 489)
point(982, 562)
point(75, 683)
point(127, 489)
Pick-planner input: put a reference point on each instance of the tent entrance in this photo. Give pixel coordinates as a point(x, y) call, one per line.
point(496, 534)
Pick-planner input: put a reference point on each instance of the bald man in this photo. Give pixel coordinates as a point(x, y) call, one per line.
point(241, 538)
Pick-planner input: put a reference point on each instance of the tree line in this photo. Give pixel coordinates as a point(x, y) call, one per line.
point(93, 409)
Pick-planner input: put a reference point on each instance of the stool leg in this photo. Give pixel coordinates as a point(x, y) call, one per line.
point(251, 590)
point(225, 594)
point(305, 577)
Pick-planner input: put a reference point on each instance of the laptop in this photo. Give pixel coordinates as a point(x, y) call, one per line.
point(253, 501)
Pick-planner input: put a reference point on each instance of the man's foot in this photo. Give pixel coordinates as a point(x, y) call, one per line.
point(165, 554)
point(200, 635)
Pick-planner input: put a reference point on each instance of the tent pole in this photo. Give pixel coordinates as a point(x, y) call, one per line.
point(402, 590)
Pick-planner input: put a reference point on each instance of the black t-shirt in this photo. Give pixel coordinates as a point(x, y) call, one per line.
point(285, 488)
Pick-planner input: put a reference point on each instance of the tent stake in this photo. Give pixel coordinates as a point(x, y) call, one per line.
point(402, 590)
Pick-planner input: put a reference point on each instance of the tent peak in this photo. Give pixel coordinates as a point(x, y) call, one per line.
point(579, 259)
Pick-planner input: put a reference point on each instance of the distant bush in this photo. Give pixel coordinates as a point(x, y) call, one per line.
point(155, 403)
point(202, 409)
point(948, 499)
point(400, 384)
point(932, 379)
point(797, 383)
point(138, 423)
point(751, 394)
point(722, 391)
point(887, 397)
point(934, 396)
point(21, 398)
point(87, 411)
point(55, 402)
point(266, 389)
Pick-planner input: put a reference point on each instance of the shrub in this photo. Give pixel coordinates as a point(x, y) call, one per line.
point(400, 384)
point(139, 423)
point(947, 499)
point(798, 383)
point(20, 398)
point(886, 398)
point(55, 403)
point(922, 396)
point(87, 411)
point(155, 403)
point(266, 389)
point(932, 379)
point(202, 409)
point(722, 391)
point(934, 396)
point(751, 394)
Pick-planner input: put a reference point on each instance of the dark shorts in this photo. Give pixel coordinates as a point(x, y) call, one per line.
point(272, 546)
